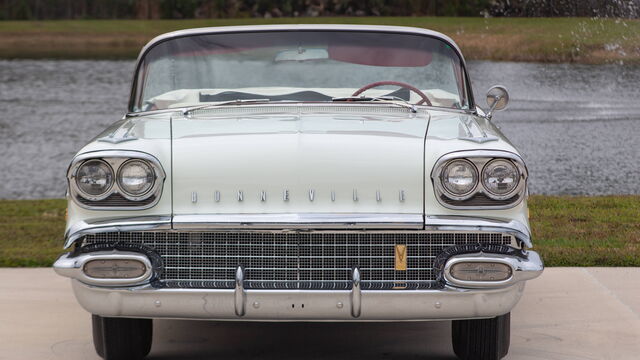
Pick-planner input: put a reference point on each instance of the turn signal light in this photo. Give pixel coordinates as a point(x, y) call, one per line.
point(481, 271)
point(114, 269)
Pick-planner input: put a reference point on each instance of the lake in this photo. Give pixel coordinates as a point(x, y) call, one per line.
point(577, 126)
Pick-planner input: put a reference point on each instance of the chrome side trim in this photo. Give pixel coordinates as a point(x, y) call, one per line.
point(299, 221)
point(115, 159)
point(479, 158)
point(82, 228)
point(465, 223)
point(72, 267)
point(522, 269)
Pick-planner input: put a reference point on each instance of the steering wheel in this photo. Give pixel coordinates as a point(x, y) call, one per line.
point(425, 99)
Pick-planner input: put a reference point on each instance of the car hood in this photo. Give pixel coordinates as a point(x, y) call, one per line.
point(304, 151)
point(301, 160)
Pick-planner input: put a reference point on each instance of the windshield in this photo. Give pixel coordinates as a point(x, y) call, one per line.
point(305, 66)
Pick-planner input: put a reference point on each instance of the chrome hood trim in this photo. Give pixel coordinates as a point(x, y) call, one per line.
point(299, 221)
point(467, 127)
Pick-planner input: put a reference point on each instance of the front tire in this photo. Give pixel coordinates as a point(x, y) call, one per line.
point(122, 338)
point(482, 339)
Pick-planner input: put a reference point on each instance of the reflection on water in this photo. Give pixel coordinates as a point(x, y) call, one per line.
point(576, 125)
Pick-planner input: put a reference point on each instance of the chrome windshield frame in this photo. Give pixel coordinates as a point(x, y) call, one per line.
point(298, 28)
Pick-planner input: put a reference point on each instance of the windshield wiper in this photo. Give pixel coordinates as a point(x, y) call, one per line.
point(387, 99)
point(186, 112)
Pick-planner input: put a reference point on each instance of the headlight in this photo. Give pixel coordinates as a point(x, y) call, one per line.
point(500, 177)
point(135, 177)
point(459, 179)
point(94, 178)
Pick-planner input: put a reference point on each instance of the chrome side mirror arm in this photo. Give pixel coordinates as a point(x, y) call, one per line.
point(497, 99)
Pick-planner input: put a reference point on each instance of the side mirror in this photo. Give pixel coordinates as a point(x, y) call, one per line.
point(497, 99)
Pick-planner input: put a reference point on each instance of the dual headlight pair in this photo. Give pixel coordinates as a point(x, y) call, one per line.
point(115, 179)
point(96, 177)
point(499, 176)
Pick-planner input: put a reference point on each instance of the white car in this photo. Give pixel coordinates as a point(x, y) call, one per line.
point(300, 173)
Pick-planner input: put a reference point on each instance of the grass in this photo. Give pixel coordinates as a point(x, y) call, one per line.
point(587, 231)
point(567, 231)
point(581, 40)
point(31, 231)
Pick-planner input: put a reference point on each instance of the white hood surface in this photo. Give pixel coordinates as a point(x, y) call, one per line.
point(299, 162)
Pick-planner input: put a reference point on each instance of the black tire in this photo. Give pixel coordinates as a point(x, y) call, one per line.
point(96, 324)
point(482, 339)
point(122, 338)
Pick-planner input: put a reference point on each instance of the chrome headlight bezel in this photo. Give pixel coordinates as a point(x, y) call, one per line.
point(116, 198)
point(480, 158)
point(95, 197)
point(492, 194)
point(459, 196)
point(124, 191)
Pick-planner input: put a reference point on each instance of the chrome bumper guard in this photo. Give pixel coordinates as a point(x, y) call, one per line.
point(454, 301)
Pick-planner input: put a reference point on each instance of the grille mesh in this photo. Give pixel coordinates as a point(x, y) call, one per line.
point(480, 200)
point(116, 200)
point(315, 260)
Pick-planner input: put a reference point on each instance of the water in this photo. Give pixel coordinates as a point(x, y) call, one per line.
point(576, 125)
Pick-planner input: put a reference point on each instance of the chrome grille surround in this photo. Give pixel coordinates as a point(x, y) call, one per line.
point(294, 259)
point(116, 200)
point(480, 200)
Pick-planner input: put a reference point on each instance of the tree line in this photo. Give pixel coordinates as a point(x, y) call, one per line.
point(187, 9)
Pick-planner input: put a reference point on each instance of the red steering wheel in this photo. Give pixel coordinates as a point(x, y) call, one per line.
point(425, 99)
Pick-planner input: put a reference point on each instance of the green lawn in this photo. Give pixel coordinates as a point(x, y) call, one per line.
point(581, 40)
point(587, 231)
point(31, 231)
point(568, 231)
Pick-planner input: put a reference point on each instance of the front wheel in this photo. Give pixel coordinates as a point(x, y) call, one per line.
point(122, 338)
point(482, 339)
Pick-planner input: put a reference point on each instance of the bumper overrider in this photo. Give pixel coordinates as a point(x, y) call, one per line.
point(135, 295)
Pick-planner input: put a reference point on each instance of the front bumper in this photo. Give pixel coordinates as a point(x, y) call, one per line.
point(454, 301)
point(298, 305)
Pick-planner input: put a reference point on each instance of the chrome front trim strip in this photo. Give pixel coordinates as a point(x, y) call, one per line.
point(299, 305)
point(143, 223)
point(298, 221)
point(72, 267)
point(465, 223)
point(522, 269)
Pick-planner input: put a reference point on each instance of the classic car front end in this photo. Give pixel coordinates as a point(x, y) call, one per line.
point(269, 173)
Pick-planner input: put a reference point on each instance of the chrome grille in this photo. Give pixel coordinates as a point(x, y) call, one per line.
point(116, 200)
point(299, 260)
point(480, 200)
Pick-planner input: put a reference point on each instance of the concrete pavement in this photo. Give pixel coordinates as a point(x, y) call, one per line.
point(566, 314)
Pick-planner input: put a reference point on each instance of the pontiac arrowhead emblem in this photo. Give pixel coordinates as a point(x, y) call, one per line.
point(401, 257)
